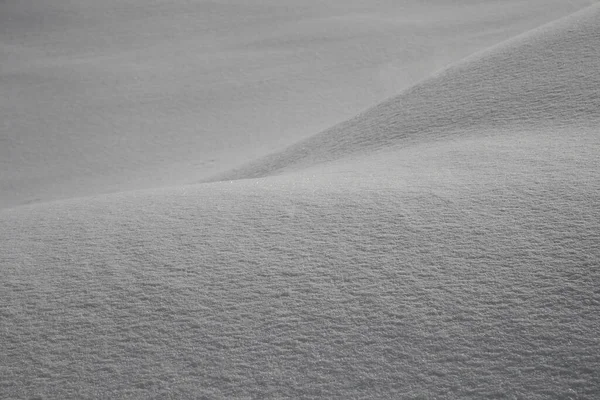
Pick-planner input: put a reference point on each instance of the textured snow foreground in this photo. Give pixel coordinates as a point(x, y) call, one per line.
point(444, 244)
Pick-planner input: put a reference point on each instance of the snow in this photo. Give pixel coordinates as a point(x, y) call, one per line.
point(442, 244)
point(457, 286)
point(107, 96)
point(543, 79)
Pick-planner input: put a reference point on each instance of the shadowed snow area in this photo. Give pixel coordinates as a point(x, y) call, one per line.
point(443, 244)
point(114, 95)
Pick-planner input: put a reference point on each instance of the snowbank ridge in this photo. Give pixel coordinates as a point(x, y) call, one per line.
point(460, 264)
point(545, 78)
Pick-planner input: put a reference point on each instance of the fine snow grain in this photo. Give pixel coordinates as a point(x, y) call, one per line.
point(444, 244)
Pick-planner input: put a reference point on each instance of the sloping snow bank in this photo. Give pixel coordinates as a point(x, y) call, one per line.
point(469, 271)
point(543, 79)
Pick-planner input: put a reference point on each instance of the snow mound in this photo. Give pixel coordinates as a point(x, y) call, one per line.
point(462, 264)
point(117, 95)
point(546, 78)
point(482, 283)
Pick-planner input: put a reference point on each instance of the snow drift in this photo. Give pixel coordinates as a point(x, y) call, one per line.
point(460, 261)
point(541, 80)
point(114, 95)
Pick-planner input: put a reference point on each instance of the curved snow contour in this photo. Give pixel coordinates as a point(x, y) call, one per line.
point(453, 269)
point(544, 78)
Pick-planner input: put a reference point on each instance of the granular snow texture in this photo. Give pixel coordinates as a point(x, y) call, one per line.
point(442, 245)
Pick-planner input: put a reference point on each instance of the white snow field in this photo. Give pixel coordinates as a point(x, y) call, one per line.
point(115, 95)
point(444, 244)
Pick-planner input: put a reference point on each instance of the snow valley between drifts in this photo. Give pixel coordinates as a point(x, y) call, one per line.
point(443, 244)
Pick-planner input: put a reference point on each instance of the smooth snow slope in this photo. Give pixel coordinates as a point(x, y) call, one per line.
point(464, 264)
point(114, 95)
point(543, 80)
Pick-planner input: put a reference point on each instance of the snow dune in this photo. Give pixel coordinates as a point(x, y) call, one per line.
point(543, 80)
point(443, 244)
point(114, 95)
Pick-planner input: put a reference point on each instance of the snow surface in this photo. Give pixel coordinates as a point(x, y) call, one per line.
point(115, 95)
point(545, 79)
point(443, 244)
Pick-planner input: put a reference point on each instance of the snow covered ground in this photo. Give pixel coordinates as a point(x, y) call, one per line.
point(115, 95)
point(444, 243)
